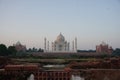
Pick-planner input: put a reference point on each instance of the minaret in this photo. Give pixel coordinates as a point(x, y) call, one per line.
point(73, 46)
point(52, 46)
point(44, 44)
point(76, 44)
point(48, 46)
point(68, 46)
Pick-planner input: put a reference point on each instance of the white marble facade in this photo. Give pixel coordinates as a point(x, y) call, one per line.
point(59, 45)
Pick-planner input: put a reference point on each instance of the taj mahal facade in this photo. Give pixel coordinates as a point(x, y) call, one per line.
point(60, 45)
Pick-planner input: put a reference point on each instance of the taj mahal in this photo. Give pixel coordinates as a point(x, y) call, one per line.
point(60, 45)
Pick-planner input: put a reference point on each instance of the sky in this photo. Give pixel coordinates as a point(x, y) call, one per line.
point(30, 21)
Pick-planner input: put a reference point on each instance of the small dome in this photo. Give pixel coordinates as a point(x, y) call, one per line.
point(18, 43)
point(104, 44)
point(60, 38)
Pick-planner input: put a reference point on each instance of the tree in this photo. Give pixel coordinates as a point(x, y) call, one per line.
point(34, 49)
point(40, 50)
point(29, 50)
point(116, 52)
point(3, 50)
point(12, 50)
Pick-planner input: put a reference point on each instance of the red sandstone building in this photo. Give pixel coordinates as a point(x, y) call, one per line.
point(54, 75)
point(104, 48)
point(19, 47)
point(15, 71)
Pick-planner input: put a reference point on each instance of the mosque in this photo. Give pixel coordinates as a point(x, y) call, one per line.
point(60, 45)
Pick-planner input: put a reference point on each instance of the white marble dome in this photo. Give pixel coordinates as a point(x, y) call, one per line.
point(60, 38)
point(18, 43)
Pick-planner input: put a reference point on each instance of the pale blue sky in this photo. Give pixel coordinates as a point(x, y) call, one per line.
point(91, 21)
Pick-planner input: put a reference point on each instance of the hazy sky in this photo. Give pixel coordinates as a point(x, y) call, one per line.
point(29, 21)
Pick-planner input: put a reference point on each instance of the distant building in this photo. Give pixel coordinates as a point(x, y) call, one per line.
point(104, 48)
point(19, 47)
point(60, 45)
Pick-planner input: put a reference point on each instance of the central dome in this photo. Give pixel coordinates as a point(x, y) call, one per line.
point(60, 38)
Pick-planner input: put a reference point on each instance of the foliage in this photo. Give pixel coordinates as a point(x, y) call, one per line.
point(35, 50)
point(3, 50)
point(104, 55)
point(86, 51)
point(116, 52)
point(12, 50)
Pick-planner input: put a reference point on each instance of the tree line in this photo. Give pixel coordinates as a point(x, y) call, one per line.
point(11, 50)
point(4, 51)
